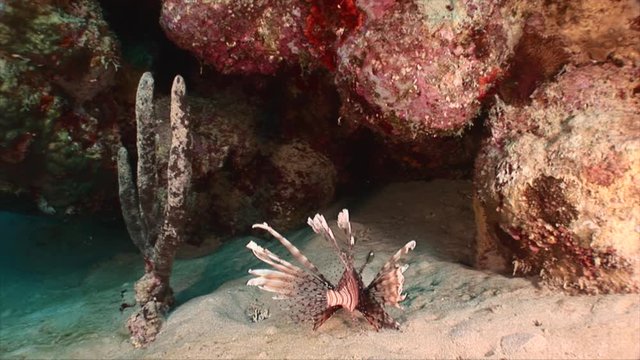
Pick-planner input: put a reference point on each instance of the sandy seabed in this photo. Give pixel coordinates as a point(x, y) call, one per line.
point(451, 311)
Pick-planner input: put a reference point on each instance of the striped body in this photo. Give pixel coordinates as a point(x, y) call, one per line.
point(315, 298)
point(348, 293)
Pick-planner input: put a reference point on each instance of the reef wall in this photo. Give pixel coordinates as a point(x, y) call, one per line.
point(57, 60)
point(557, 183)
point(293, 104)
point(557, 177)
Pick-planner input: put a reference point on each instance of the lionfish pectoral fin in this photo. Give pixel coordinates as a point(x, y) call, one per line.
point(376, 315)
point(284, 280)
point(294, 251)
point(321, 317)
point(306, 290)
point(386, 287)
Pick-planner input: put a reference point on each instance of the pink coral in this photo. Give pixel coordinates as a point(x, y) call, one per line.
point(245, 37)
point(406, 69)
point(419, 68)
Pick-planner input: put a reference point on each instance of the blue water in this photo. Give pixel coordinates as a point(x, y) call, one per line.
point(61, 282)
point(51, 278)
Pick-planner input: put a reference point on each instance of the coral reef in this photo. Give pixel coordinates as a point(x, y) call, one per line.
point(590, 30)
point(156, 211)
point(432, 157)
point(296, 180)
point(240, 175)
point(356, 93)
point(259, 37)
point(406, 69)
point(537, 59)
point(557, 183)
point(557, 33)
point(244, 37)
point(56, 60)
point(423, 68)
point(65, 114)
point(225, 144)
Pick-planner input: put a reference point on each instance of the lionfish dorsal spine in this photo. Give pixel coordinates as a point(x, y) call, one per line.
point(345, 225)
point(320, 226)
point(367, 261)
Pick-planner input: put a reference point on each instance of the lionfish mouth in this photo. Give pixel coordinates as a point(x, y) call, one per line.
point(315, 297)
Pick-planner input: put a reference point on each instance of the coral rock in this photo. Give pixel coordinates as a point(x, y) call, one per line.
point(56, 58)
point(285, 183)
point(557, 33)
point(406, 69)
point(243, 37)
point(591, 30)
point(422, 68)
point(303, 181)
point(239, 177)
point(557, 183)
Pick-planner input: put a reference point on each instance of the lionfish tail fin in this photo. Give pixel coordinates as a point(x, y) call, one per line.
point(386, 287)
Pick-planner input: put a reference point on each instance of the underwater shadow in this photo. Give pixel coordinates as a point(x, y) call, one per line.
point(436, 214)
point(232, 261)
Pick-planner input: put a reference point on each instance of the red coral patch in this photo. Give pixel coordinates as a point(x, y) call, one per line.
point(330, 22)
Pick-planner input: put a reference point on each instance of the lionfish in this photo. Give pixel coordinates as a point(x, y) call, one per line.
point(315, 297)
